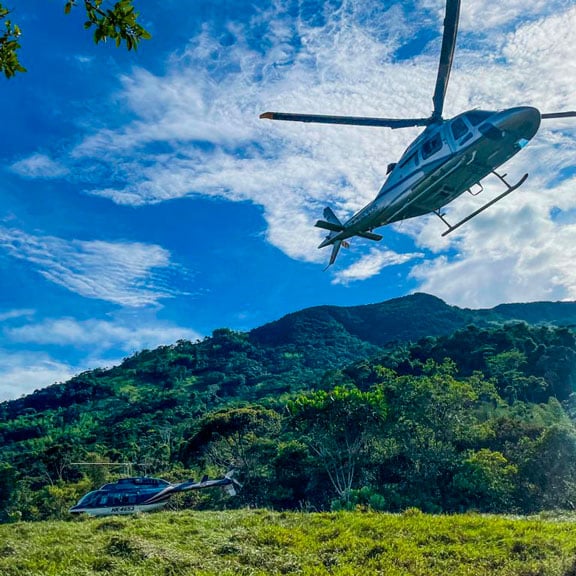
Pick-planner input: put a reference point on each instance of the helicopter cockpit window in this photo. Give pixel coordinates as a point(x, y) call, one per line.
point(476, 117)
point(102, 500)
point(412, 158)
point(431, 146)
point(88, 499)
point(459, 129)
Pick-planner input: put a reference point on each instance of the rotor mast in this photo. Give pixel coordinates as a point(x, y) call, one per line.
point(446, 57)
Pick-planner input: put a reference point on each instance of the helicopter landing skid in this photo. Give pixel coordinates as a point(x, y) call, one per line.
point(509, 188)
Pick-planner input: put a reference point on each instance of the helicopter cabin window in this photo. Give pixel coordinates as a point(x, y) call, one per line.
point(459, 129)
point(431, 146)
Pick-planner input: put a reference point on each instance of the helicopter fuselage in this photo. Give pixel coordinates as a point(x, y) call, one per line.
point(446, 160)
point(143, 494)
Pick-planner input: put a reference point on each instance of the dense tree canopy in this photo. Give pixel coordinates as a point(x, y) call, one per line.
point(117, 22)
point(479, 419)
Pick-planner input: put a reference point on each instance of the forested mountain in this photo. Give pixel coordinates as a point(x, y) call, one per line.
point(406, 403)
point(400, 320)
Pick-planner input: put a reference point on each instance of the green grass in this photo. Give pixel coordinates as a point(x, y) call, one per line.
point(259, 542)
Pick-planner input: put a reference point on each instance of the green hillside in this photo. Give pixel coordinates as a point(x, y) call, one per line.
point(408, 403)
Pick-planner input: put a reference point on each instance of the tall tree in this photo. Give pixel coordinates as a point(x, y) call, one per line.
point(242, 438)
point(338, 426)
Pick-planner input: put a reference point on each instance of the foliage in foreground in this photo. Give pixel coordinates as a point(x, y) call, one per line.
point(259, 543)
point(117, 21)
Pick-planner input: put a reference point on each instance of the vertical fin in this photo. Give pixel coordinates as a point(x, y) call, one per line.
point(335, 250)
point(230, 489)
point(330, 216)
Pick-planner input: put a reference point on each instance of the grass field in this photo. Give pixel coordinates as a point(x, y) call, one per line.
point(259, 542)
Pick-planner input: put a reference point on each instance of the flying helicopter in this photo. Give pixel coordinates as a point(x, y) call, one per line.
point(143, 494)
point(450, 157)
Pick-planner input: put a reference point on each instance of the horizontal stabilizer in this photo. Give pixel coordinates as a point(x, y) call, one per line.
point(370, 236)
point(329, 226)
point(331, 223)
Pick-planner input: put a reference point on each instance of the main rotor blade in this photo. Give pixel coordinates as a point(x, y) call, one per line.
point(558, 115)
point(446, 55)
point(349, 120)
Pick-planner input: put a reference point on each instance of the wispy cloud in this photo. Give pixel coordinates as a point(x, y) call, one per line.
point(126, 273)
point(486, 15)
point(99, 335)
point(372, 264)
point(39, 166)
point(14, 314)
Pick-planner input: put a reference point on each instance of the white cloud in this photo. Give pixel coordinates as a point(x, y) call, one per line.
point(371, 264)
point(125, 273)
point(99, 335)
point(486, 14)
point(17, 313)
point(39, 166)
point(23, 372)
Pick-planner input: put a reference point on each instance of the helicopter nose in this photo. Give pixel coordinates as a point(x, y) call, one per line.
point(521, 122)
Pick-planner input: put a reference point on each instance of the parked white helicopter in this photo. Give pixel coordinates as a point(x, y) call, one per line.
point(449, 158)
point(143, 494)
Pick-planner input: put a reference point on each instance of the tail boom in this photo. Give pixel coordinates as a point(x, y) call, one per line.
point(338, 233)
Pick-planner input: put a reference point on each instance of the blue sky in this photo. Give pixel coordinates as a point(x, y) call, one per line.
point(143, 200)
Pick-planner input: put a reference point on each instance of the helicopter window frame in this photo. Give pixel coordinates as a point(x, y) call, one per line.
point(431, 146)
point(408, 159)
point(89, 499)
point(476, 117)
point(460, 129)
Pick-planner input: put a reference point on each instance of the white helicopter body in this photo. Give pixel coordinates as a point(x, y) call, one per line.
point(449, 158)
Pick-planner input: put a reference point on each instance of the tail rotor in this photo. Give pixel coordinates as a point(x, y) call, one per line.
point(334, 227)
